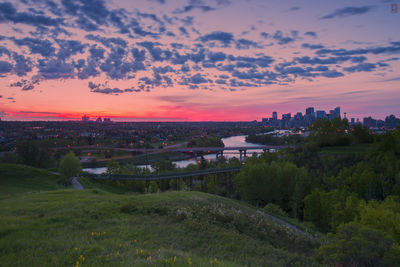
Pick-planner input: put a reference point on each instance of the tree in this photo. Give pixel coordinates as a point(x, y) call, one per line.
point(330, 132)
point(163, 166)
point(113, 167)
point(281, 183)
point(359, 245)
point(70, 166)
point(361, 135)
point(35, 154)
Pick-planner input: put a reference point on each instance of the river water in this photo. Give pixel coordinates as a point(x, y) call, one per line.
point(239, 140)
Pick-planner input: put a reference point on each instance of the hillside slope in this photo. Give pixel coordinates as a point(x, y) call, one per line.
point(98, 228)
point(15, 178)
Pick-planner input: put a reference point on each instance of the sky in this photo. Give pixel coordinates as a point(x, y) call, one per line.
point(197, 60)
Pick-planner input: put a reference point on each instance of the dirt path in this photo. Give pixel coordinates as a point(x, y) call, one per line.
point(76, 184)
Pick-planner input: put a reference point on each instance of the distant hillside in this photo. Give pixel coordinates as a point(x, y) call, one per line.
point(15, 178)
point(97, 228)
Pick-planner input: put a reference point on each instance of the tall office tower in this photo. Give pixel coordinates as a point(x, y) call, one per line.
point(275, 115)
point(321, 114)
point(336, 112)
point(309, 111)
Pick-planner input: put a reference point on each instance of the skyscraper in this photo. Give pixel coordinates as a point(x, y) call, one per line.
point(321, 114)
point(309, 111)
point(336, 112)
point(275, 115)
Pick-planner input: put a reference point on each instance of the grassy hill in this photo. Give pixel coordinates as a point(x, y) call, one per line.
point(93, 227)
point(16, 179)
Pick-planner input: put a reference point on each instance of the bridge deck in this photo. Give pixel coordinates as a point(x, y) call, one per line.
point(121, 177)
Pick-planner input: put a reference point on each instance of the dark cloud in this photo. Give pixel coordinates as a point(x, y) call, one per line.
point(5, 67)
point(188, 20)
point(215, 57)
point(94, 10)
point(264, 34)
point(104, 89)
point(329, 60)
point(312, 46)
point(261, 61)
point(9, 13)
point(246, 44)
point(22, 65)
point(36, 46)
point(367, 67)
point(310, 33)
point(157, 53)
point(295, 8)
point(197, 79)
point(188, 8)
point(96, 52)
point(249, 75)
point(4, 51)
point(158, 1)
point(69, 48)
point(282, 40)
point(348, 11)
point(332, 74)
point(163, 70)
point(184, 31)
point(25, 84)
point(108, 42)
point(55, 69)
point(225, 38)
point(393, 48)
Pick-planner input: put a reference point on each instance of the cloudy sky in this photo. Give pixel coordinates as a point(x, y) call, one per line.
point(197, 59)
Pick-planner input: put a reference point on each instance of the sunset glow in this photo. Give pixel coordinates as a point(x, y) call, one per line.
point(197, 60)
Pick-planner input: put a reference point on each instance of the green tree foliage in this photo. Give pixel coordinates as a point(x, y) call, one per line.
point(327, 210)
point(35, 154)
point(281, 183)
point(361, 135)
point(272, 139)
point(113, 167)
point(359, 245)
point(383, 215)
point(163, 166)
point(206, 141)
point(70, 166)
point(330, 132)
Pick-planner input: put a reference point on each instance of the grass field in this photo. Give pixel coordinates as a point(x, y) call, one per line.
point(94, 227)
point(16, 179)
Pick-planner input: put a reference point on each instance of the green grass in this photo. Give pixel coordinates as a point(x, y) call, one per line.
point(16, 179)
point(352, 149)
point(62, 227)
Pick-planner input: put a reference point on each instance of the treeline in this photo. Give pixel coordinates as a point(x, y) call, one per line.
point(206, 141)
point(275, 140)
point(355, 197)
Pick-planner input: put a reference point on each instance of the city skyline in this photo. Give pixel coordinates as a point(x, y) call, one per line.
point(193, 60)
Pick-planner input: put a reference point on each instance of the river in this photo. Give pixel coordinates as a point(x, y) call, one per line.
point(238, 140)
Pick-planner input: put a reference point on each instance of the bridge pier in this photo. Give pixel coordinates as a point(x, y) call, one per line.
point(242, 154)
point(219, 154)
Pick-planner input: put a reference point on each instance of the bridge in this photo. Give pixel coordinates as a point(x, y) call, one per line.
point(195, 151)
point(159, 177)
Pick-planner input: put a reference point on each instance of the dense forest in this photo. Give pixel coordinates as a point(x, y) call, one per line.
point(344, 181)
